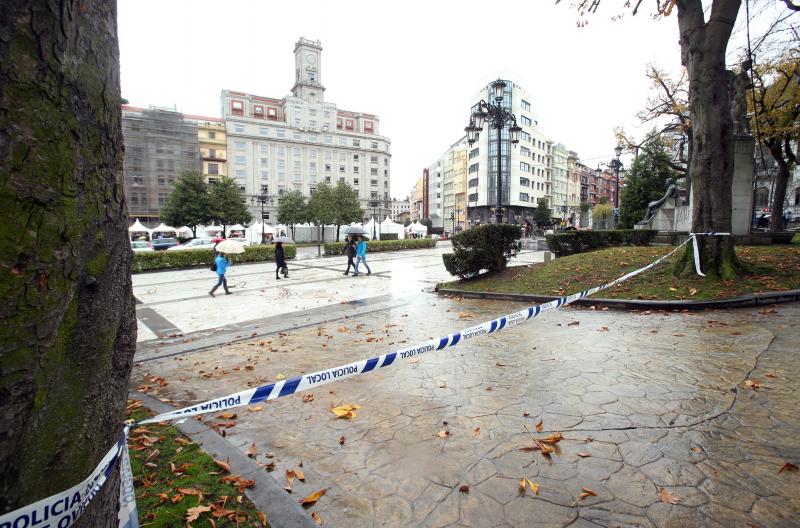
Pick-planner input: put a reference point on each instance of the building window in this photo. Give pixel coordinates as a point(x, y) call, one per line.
point(263, 131)
point(355, 158)
point(264, 161)
point(374, 144)
point(525, 136)
point(355, 181)
point(348, 124)
point(240, 160)
point(258, 110)
point(239, 129)
point(297, 135)
point(525, 152)
point(239, 145)
point(240, 173)
point(373, 182)
point(338, 123)
point(237, 107)
point(373, 171)
point(474, 168)
point(162, 198)
point(327, 167)
point(213, 168)
point(526, 121)
point(474, 153)
point(523, 197)
point(368, 127)
point(526, 105)
point(524, 167)
point(212, 135)
point(343, 141)
point(525, 182)
point(341, 168)
point(473, 182)
point(473, 197)
point(329, 140)
point(355, 170)
point(271, 112)
point(356, 143)
point(280, 132)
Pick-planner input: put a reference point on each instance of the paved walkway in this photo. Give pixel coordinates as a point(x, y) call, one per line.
point(653, 407)
point(176, 303)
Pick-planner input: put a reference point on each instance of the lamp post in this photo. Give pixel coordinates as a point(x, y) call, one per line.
point(616, 166)
point(375, 204)
point(497, 117)
point(263, 199)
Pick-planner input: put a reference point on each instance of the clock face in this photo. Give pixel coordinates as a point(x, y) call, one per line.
point(311, 59)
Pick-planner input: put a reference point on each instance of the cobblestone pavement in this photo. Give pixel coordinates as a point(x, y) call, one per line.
point(645, 401)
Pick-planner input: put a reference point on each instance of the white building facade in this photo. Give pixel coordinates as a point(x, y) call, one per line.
point(297, 142)
point(526, 167)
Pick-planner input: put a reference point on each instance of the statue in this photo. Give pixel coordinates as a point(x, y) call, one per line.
point(652, 207)
point(739, 84)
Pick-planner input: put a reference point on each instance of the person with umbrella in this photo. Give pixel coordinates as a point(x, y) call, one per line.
point(361, 255)
point(221, 264)
point(280, 256)
point(350, 249)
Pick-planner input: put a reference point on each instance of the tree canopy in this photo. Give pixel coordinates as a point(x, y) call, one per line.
point(347, 208)
point(292, 209)
point(189, 204)
point(542, 213)
point(227, 203)
point(645, 181)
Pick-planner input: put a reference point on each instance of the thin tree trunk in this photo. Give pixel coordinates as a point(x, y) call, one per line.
point(67, 322)
point(703, 46)
point(781, 183)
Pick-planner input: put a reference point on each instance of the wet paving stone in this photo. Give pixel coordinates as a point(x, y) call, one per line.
point(639, 412)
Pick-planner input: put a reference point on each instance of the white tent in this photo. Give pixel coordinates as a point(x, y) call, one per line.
point(212, 229)
point(417, 228)
point(185, 232)
point(387, 227)
point(137, 227)
point(164, 228)
point(371, 227)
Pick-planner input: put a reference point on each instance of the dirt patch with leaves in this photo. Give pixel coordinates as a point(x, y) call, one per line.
point(769, 268)
point(177, 484)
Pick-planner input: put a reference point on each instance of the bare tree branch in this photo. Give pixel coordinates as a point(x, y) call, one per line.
point(791, 6)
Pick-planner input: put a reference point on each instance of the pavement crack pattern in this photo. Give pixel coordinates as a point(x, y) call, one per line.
point(639, 415)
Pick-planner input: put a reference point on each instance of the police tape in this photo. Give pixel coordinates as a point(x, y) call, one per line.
point(62, 509)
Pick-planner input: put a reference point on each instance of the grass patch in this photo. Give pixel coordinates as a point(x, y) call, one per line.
point(770, 268)
point(164, 462)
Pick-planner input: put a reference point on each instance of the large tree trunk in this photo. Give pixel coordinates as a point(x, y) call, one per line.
point(68, 330)
point(703, 46)
point(781, 182)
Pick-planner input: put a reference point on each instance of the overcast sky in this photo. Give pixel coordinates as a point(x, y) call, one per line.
point(415, 64)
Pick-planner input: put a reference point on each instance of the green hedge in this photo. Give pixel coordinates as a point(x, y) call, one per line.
point(376, 246)
point(191, 258)
point(485, 247)
point(573, 242)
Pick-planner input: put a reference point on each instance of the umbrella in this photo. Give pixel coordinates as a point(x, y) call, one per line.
point(216, 239)
point(230, 246)
point(354, 230)
point(284, 239)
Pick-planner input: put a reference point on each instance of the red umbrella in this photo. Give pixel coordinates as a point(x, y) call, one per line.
point(217, 239)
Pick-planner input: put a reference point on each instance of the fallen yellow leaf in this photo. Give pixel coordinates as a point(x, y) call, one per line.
point(314, 497)
point(476, 432)
point(534, 487)
point(193, 513)
point(345, 411)
point(280, 377)
point(667, 497)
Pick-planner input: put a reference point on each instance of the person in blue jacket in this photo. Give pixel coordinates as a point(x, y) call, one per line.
point(361, 255)
point(221, 263)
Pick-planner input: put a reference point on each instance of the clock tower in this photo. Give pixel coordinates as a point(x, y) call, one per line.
point(308, 71)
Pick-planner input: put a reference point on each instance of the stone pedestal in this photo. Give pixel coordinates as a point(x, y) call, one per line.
point(742, 186)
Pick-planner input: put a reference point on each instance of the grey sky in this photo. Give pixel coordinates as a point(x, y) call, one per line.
point(415, 64)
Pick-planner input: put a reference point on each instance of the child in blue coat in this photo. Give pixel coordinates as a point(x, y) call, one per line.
point(361, 255)
point(222, 264)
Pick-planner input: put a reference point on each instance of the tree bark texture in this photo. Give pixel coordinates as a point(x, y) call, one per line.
point(781, 181)
point(703, 45)
point(68, 330)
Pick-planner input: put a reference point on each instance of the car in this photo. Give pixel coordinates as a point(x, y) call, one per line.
point(160, 244)
point(141, 245)
point(197, 243)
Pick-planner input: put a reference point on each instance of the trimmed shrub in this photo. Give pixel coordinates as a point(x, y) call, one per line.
point(376, 246)
point(192, 258)
point(579, 241)
point(487, 247)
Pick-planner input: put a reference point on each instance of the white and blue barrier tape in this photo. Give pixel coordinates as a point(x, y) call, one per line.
point(62, 509)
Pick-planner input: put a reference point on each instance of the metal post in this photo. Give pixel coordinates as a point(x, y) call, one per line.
point(262, 221)
point(499, 212)
point(616, 184)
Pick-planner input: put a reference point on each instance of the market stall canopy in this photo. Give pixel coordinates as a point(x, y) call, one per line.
point(212, 229)
point(137, 227)
point(236, 227)
point(417, 228)
point(185, 231)
point(164, 228)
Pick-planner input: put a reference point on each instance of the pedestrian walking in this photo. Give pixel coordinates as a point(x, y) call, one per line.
point(361, 256)
point(220, 266)
point(280, 261)
point(350, 249)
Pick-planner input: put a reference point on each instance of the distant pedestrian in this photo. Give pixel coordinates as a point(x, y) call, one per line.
point(361, 256)
point(763, 221)
point(350, 250)
point(280, 261)
point(220, 266)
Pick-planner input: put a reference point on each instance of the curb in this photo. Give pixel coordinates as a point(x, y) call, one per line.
point(267, 495)
point(754, 299)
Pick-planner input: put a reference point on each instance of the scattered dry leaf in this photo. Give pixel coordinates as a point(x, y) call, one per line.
point(313, 498)
point(308, 398)
point(316, 517)
point(341, 440)
point(464, 489)
point(667, 497)
point(280, 377)
point(583, 455)
point(539, 426)
point(443, 434)
point(345, 411)
point(193, 513)
point(787, 467)
point(263, 519)
point(476, 432)
point(252, 451)
point(224, 465)
point(753, 384)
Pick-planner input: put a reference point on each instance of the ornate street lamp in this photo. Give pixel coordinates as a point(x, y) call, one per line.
point(375, 203)
point(497, 118)
point(263, 199)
